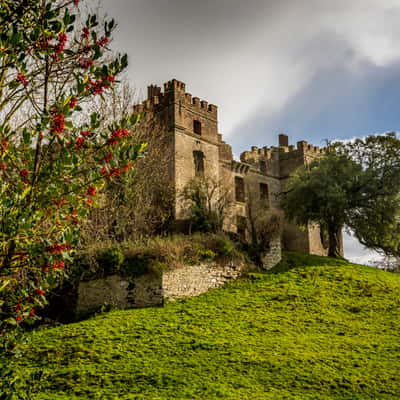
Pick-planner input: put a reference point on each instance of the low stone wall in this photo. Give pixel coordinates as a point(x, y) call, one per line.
point(192, 280)
point(153, 289)
point(120, 292)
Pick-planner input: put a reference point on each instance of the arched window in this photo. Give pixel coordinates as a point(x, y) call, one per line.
point(197, 127)
point(198, 157)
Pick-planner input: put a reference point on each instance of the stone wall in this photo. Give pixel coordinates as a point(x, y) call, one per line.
point(120, 292)
point(153, 289)
point(185, 145)
point(192, 280)
point(274, 255)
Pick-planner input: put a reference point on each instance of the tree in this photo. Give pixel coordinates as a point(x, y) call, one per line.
point(321, 193)
point(207, 201)
point(54, 162)
point(147, 184)
point(375, 216)
point(357, 184)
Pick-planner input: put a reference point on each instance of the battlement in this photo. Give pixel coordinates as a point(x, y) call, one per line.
point(174, 85)
point(256, 154)
point(201, 105)
point(148, 105)
point(284, 150)
point(281, 161)
point(173, 88)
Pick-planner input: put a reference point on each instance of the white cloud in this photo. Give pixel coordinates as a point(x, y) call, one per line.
point(358, 254)
point(253, 55)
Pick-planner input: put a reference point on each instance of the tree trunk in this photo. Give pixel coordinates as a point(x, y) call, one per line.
point(335, 242)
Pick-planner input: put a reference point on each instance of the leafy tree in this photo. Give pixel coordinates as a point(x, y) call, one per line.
point(321, 194)
point(375, 217)
point(356, 184)
point(54, 161)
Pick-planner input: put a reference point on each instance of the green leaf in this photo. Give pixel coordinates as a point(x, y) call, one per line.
point(26, 136)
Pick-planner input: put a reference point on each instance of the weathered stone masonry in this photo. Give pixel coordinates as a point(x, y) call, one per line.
point(195, 146)
point(192, 126)
point(154, 289)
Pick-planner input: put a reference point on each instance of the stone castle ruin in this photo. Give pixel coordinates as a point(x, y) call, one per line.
point(196, 148)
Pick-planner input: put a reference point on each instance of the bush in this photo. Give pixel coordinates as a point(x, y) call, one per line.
point(153, 255)
point(111, 260)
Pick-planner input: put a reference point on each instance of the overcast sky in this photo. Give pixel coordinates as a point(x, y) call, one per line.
point(314, 69)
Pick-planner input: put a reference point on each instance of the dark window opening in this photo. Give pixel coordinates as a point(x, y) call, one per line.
point(263, 167)
point(241, 225)
point(197, 127)
point(198, 163)
point(239, 189)
point(264, 192)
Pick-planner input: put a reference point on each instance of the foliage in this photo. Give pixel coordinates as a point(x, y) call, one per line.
point(53, 157)
point(138, 257)
point(148, 183)
point(314, 332)
point(111, 259)
point(322, 193)
point(356, 184)
point(375, 215)
point(207, 201)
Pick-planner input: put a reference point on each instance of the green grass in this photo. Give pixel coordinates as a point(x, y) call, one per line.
point(328, 331)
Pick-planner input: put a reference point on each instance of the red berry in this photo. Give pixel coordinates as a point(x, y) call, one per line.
point(73, 102)
point(103, 41)
point(85, 32)
point(58, 265)
point(91, 191)
point(21, 78)
point(79, 143)
point(103, 171)
point(57, 125)
point(127, 166)
point(24, 173)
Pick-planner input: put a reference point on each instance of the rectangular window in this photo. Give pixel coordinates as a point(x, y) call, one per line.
point(198, 157)
point(239, 189)
point(264, 192)
point(197, 127)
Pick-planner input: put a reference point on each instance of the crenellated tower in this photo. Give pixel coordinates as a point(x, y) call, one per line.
point(196, 148)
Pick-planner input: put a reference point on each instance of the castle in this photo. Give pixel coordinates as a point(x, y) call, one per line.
point(195, 148)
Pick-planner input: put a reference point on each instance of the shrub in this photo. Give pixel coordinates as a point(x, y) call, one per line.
point(111, 260)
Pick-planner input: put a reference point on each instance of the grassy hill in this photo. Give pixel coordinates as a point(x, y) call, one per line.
point(322, 330)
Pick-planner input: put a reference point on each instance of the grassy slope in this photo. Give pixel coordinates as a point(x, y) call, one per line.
point(315, 332)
